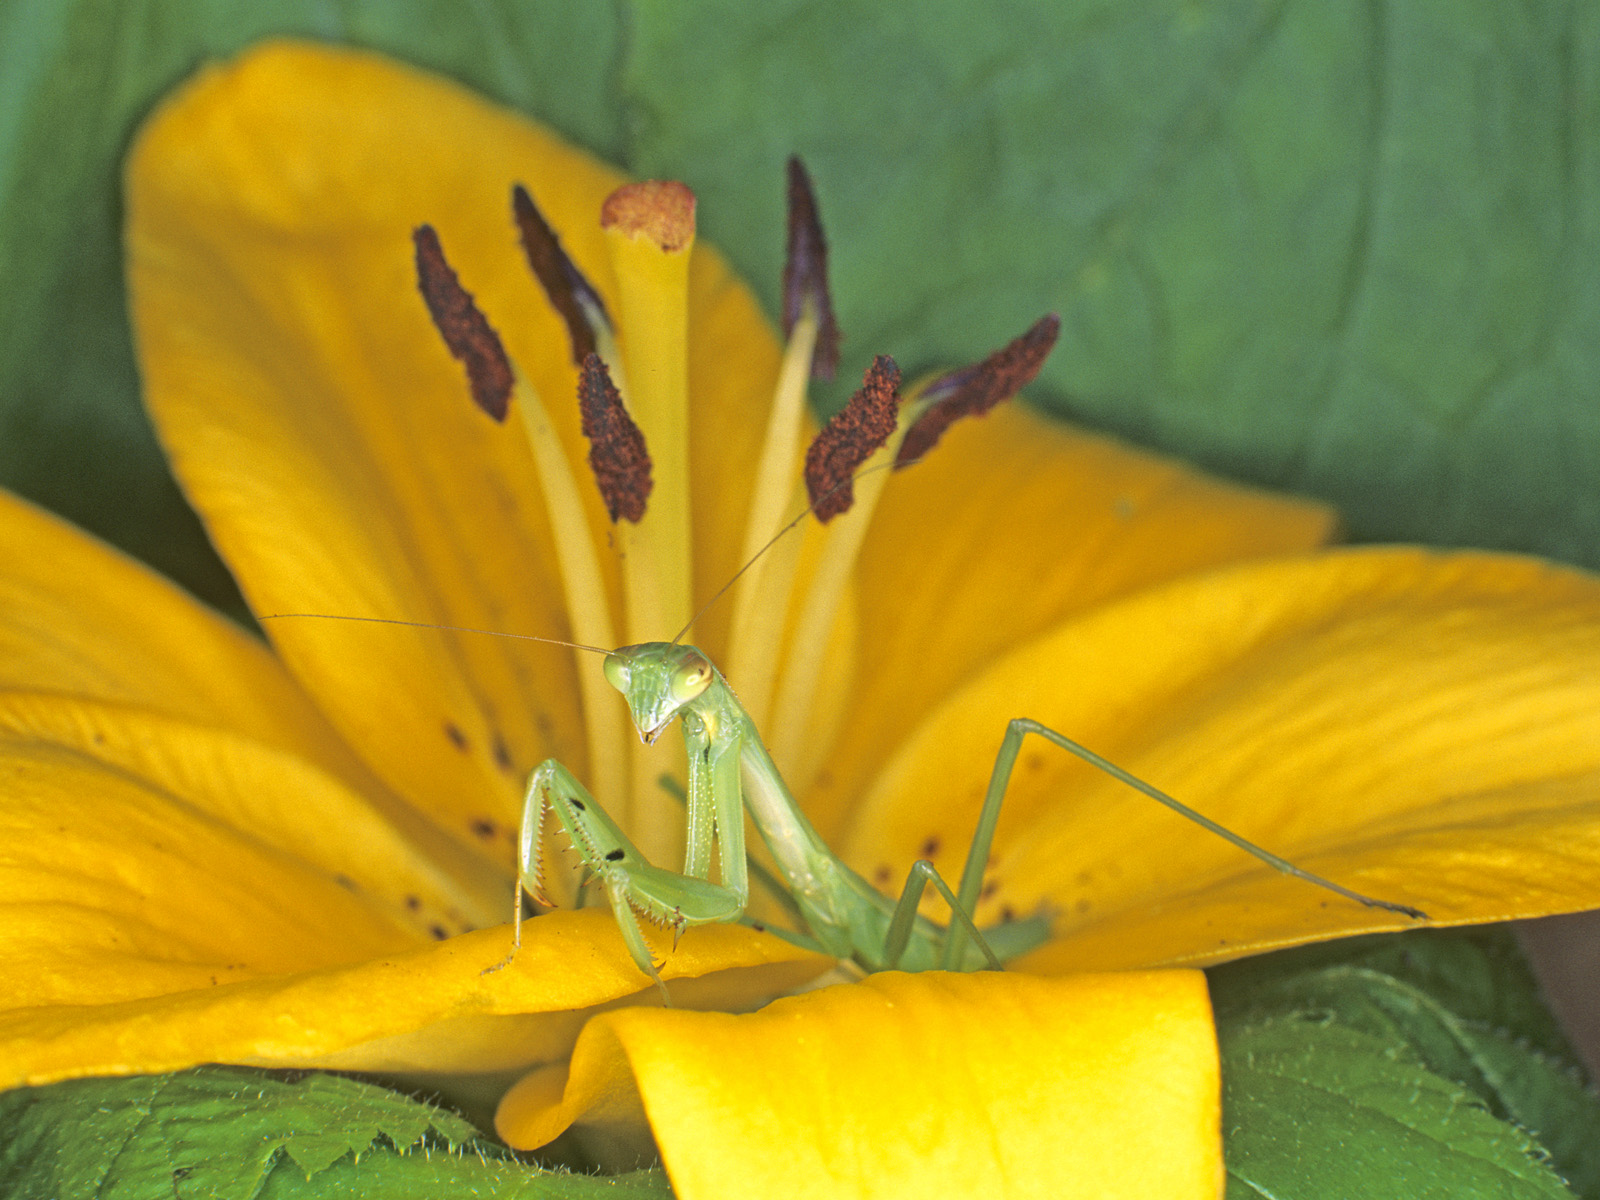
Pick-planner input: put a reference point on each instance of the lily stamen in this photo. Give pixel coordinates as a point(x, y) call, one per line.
point(466, 331)
point(973, 390)
point(495, 381)
point(569, 291)
point(861, 437)
point(811, 352)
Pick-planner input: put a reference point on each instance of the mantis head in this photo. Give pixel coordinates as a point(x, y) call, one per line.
point(659, 680)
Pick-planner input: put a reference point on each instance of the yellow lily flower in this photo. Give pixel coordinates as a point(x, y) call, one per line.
point(218, 854)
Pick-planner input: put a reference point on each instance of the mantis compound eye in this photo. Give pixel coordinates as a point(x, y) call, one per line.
point(616, 672)
point(689, 680)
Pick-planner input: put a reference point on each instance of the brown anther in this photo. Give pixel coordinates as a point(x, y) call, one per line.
point(805, 272)
point(617, 453)
point(974, 390)
point(570, 294)
point(466, 331)
point(850, 438)
point(659, 209)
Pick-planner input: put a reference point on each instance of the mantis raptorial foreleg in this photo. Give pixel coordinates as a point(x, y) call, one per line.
point(634, 886)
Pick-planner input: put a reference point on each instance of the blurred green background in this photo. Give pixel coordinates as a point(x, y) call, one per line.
point(1347, 249)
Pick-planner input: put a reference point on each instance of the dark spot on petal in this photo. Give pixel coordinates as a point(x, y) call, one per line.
point(882, 875)
point(1034, 762)
point(457, 738)
point(413, 903)
point(485, 828)
point(345, 881)
point(1083, 905)
point(439, 932)
point(989, 889)
point(502, 754)
point(931, 846)
point(1007, 914)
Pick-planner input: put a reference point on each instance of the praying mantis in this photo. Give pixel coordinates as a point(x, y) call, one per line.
point(731, 774)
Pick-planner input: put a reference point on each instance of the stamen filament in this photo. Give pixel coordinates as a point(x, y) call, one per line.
point(588, 608)
point(759, 602)
point(794, 721)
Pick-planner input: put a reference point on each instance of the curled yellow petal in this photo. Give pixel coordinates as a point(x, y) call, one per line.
point(975, 1085)
point(156, 915)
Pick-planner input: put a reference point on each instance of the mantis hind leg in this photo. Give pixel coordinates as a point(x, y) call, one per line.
point(1006, 760)
point(921, 874)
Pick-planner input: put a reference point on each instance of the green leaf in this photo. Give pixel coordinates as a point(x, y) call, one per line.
point(1342, 248)
point(75, 78)
point(230, 1133)
point(1324, 1110)
point(1478, 973)
point(1460, 1004)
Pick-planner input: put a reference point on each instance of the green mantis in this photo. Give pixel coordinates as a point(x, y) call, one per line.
point(730, 774)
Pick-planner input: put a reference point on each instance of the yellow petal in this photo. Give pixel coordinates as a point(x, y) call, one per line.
point(78, 617)
point(975, 1085)
point(1422, 727)
point(430, 1010)
point(321, 428)
point(119, 888)
point(1012, 525)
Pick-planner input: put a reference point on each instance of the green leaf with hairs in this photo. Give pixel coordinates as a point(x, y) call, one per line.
point(1459, 1005)
point(231, 1133)
point(1322, 1111)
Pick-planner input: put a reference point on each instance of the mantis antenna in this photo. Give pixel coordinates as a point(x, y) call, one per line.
point(521, 637)
point(849, 481)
